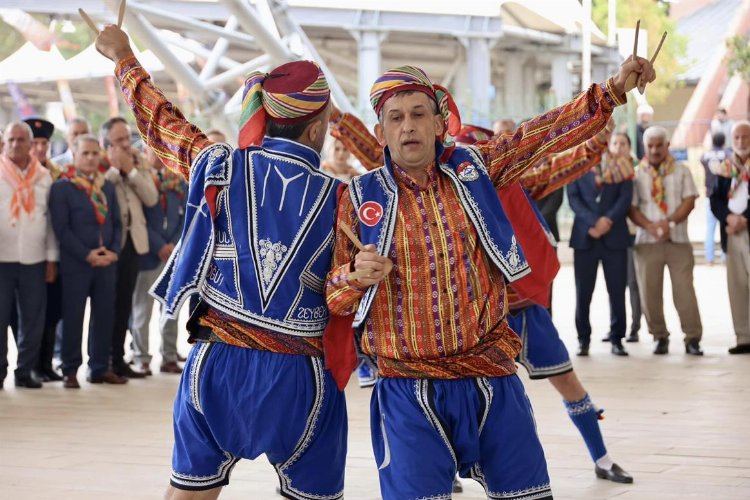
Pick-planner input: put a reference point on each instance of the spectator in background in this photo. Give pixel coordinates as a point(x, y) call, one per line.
point(28, 250)
point(644, 117)
point(600, 200)
point(339, 163)
point(216, 136)
point(164, 221)
point(76, 126)
point(712, 161)
point(664, 195)
point(722, 123)
point(43, 130)
point(135, 189)
point(620, 146)
point(86, 219)
point(729, 202)
point(503, 126)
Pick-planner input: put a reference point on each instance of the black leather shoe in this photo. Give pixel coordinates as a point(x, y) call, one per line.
point(693, 348)
point(618, 349)
point(40, 375)
point(615, 474)
point(123, 370)
point(583, 350)
point(457, 486)
point(662, 346)
point(28, 382)
point(740, 349)
point(633, 337)
point(608, 338)
point(52, 375)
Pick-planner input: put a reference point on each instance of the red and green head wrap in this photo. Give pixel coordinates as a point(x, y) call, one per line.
point(469, 134)
point(411, 78)
point(290, 94)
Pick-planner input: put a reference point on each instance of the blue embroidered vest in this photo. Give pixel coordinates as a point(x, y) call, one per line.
point(264, 257)
point(377, 191)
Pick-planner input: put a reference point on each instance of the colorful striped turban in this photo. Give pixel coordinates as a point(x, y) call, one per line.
point(469, 134)
point(411, 78)
point(290, 94)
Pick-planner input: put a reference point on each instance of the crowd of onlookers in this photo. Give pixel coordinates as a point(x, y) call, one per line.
point(96, 223)
point(99, 222)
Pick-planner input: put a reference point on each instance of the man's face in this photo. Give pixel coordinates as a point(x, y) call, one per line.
point(657, 149)
point(86, 157)
point(18, 145)
point(74, 130)
point(618, 145)
point(645, 118)
point(39, 149)
point(340, 155)
point(119, 135)
point(741, 140)
point(409, 128)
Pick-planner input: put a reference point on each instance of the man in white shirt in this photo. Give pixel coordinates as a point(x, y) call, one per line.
point(76, 126)
point(664, 194)
point(28, 250)
point(729, 203)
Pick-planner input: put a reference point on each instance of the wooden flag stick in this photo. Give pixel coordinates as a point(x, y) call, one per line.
point(658, 48)
point(353, 237)
point(358, 274)
point(121, 14)
point(635, 42)
point(632, 80)
point(89, 21)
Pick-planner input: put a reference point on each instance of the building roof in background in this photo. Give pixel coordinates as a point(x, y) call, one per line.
point(706, 31)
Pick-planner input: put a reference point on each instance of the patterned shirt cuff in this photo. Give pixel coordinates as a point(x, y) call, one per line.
point(616, 100)
point(125, 66)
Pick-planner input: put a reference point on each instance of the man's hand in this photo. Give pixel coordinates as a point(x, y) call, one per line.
point(646, 74)
point(371, 261)
point(113, 43)
point(109, 256)
point(50, 273)
point(123, 159)
point(594, 233)
point(165, 252)
point(603, 225)
point(95, 258)
point(736, 223)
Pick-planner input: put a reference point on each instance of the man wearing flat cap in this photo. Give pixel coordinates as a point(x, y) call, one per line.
point(256, 248)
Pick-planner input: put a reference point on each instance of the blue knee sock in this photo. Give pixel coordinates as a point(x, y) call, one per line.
point(585, 416)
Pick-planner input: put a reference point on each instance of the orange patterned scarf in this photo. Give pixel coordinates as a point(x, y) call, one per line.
point(93, 189)
point(658, 193)
point(22, 183)
point(613, 170)
point(739, 172)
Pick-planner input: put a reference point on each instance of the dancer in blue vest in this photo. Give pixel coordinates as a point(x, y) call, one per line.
point(256, 247)
point(439, 249)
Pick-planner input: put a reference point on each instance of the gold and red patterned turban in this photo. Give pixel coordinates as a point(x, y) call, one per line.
point(290, 94)
point(411, 78)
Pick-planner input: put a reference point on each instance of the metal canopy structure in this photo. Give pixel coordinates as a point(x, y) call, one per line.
point(500, 58)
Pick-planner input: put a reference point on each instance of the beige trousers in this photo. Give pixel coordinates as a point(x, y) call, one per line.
point(650, 260)
point(738, 283)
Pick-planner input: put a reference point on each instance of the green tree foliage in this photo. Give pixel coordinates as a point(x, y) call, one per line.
point(10, 40)
point(653, 16)
point(739, 59)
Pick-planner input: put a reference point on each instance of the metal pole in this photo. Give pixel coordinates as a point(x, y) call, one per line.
point(220, 48)
point(250, 22)
point(238, 72)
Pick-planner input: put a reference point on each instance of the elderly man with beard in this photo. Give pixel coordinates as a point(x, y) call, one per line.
point(729, 202)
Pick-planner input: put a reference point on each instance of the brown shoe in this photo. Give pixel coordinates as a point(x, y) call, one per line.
point(71, 382)
point(170, 367)
point(108, 377)
point(146, 369)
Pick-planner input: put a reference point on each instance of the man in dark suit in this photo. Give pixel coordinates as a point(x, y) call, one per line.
point(86, 220)
point(600, 200)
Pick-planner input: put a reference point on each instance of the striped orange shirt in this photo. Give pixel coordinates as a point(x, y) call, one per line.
point(441, 312)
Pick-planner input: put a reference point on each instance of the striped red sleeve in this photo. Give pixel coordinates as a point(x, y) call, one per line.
point(564, 127)
point(161, 124)
point(358, 140)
